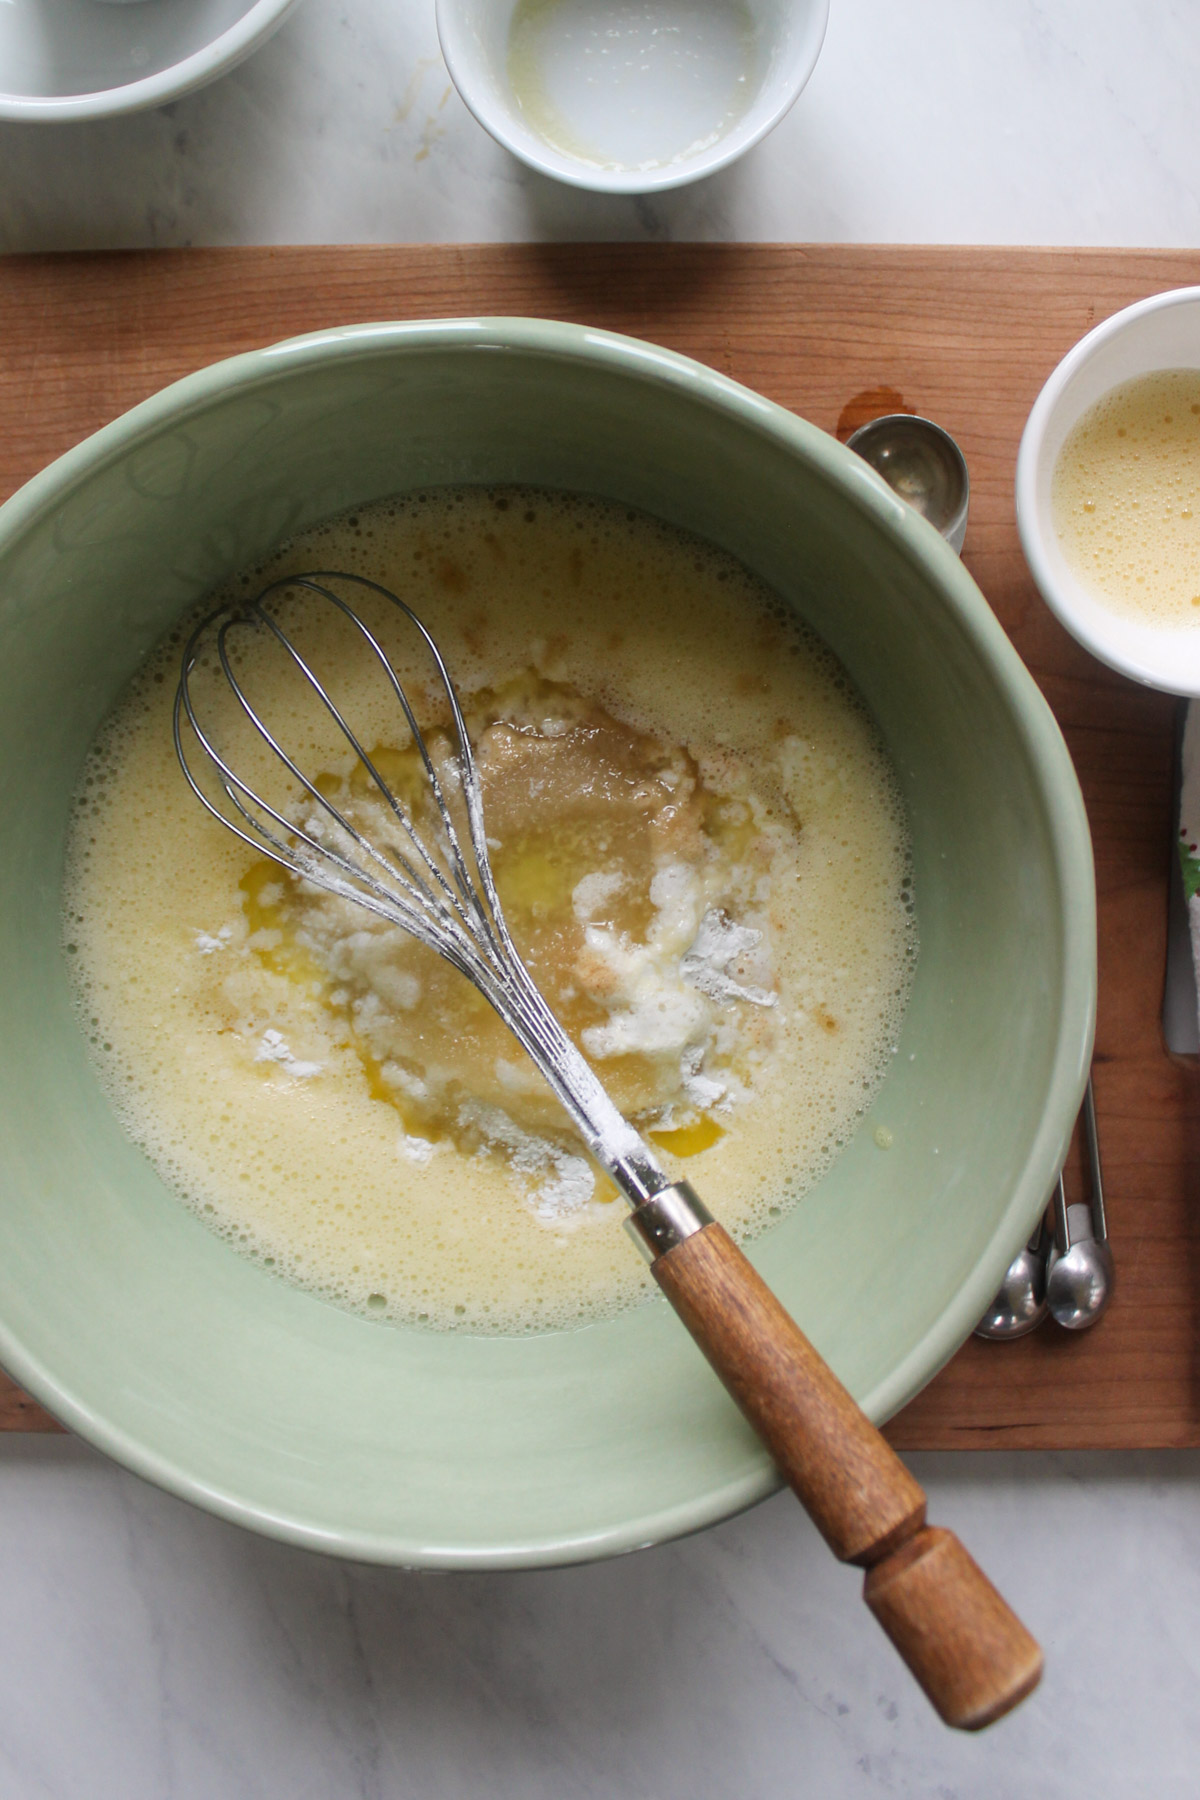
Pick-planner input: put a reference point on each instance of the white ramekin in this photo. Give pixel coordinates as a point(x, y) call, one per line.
point(89, 42)
point(1160, 333)
point(474, 37)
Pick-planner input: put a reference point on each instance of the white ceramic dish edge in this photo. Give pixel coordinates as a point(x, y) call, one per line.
point(205, 65)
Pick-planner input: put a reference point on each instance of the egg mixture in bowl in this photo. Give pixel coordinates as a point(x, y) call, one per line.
point(258, 1153)
point(699, 846)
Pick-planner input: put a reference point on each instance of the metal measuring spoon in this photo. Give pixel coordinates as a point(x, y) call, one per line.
point(923, 464)
point(1080, 1274)
point(1020, 1304)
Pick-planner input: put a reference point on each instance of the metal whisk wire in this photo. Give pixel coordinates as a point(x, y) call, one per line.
point(410, 878)
point(453, 909)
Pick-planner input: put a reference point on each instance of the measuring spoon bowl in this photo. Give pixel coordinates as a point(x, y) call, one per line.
point(922, 463)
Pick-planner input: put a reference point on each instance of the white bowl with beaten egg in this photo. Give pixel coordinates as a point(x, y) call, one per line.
point(195, 1366)
point(1157, 335)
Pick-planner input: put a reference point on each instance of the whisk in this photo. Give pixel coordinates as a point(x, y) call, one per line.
point(431, 875)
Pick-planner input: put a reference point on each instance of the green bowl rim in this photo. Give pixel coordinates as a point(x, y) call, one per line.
point(1035, 726)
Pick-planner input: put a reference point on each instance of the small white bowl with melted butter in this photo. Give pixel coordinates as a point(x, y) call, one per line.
point(630, 96)
point(1108, 491)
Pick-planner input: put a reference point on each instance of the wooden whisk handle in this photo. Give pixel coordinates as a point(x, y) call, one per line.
point(967, 1649)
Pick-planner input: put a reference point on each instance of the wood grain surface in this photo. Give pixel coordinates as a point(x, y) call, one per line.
point(961, 1639)
point(836, 333)
point(853, 1486)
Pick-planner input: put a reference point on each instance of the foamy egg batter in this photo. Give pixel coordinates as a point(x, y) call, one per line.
point(1126, 498)
point(701, 853)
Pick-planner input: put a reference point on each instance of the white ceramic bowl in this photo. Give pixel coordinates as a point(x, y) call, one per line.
point(80, 59)
point(1160, 333)
point(633, 128)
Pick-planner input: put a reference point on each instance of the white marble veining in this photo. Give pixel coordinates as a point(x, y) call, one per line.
point(153, 1653)
point(1035, 121)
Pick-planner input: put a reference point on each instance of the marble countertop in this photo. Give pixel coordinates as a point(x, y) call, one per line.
point(154, 1653)
point(1034, 122)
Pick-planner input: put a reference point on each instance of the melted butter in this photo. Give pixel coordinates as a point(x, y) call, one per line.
point(346, 1108)
point(632, 83)
point(689, 1140)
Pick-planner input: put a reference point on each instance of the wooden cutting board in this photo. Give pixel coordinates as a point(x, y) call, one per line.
point(966, 336)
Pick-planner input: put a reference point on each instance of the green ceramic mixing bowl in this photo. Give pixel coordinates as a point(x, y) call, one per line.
point(155, 1340)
